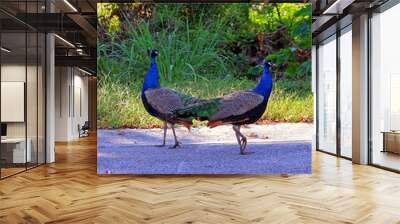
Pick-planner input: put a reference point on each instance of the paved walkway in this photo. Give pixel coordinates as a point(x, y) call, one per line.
point(278, 148)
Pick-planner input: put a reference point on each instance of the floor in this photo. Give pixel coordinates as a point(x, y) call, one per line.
point(10, 171)
point(387, 159)
point(70, 191)
point(5, 172)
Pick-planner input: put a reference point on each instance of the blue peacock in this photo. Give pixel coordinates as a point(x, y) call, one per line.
point(161, 102)
point(238, 108)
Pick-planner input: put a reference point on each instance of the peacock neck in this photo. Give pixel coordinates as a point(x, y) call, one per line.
point(264, 86)
point(151, 81)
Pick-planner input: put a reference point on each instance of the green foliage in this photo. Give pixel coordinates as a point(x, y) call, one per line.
point(107, 18)
point(186, 51)
point(283, 56)
point(206, 50)
point(304, 68)
point(302, 27)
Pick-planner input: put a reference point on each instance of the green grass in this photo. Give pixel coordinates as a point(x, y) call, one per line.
point(291, 101)
point(195, 58)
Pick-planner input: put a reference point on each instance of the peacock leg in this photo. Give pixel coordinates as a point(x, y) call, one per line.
point(242, 140)
point(165, 134)
point(176, 139)
point(236, 128)
point(244, 145)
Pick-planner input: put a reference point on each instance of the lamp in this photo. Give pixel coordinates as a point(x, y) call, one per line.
point(70, 5)
point(64, 40)
point(84, 71)
point(5, 50)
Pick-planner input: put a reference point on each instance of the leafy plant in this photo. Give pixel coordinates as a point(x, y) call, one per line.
point(206, 50)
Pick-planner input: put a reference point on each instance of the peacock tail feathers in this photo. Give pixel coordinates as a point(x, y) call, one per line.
point(234, 104)
point(237, 103)
point(188, 100)
point(201, 111)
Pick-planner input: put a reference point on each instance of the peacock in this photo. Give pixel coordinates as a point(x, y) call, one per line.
point(238, 108)
point(161, 102)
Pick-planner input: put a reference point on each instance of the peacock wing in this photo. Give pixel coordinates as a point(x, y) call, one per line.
point(237, 103)
point(188, 100)
point(164, 100)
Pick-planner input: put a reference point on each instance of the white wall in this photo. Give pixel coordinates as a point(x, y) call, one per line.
point(62, 82)
point(80, 109)
point(12, 73)
point(71, 94)
point(17, 73)
point(33, 126)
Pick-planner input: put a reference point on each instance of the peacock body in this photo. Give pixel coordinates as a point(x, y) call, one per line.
point(161, 102)
point(238, 108)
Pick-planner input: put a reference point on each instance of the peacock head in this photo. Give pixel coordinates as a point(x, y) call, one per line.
point(268, 64)
point(152, 53)
point(263, 62)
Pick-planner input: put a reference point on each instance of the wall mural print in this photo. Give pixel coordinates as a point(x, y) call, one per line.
point(204, 88)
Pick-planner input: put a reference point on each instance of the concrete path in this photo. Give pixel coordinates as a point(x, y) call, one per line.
point(278, 148)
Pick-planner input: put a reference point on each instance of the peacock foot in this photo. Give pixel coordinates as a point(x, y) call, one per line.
point(245, 153)
point(176, 145)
